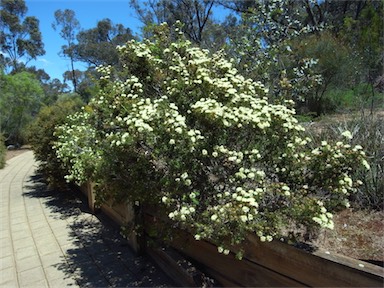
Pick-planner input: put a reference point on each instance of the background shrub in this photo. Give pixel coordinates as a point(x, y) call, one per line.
point(42, 138)
point(359, 97)
point(2, 151)
point(368, 131)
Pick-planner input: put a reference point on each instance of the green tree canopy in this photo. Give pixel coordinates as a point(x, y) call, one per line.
point(20, 100)
point(196, 15)
point(97, 45)
point(20, 37)
point(68, 24)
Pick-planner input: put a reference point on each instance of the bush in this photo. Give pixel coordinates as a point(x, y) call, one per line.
point(41, 137)
point(369, 132)
point(181, 129)
point(360, 97)
point(2, 152)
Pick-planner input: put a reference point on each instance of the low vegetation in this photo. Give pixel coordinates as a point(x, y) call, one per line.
point(42, 138)
point(366, 130)
point(2, 151)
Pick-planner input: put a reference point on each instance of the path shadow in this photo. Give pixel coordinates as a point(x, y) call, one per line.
point(96, 255)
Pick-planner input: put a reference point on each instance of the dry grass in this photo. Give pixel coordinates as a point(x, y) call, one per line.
point(323, 122)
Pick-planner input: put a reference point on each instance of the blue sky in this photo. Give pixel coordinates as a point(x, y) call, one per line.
point(88, 12)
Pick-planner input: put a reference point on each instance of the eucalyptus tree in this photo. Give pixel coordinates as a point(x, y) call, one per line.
point(361, 25)
point(194, 14)
point(86, 85)
point(69, 26)
point(20, 36)
point(97, 45)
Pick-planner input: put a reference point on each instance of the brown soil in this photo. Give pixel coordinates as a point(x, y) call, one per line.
point(357, 234)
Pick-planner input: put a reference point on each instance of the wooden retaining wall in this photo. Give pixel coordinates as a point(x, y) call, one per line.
point(280, 265)
point(265, 264)
point(122, 213)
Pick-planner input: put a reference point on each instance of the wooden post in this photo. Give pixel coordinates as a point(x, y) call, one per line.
point(124, 215)
point(91, 196)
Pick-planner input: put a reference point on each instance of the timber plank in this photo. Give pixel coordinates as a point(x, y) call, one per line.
point(241, 272)
point(170, 267)
point(313, 269)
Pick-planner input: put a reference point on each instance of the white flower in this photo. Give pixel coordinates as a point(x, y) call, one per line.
point(244, 218)
point(323, 210)
point(347, 134)
point(251, 175)
point(330, 225)
point(316, 151)
point(366, 164)
point(245, 209)
point(179, 130)
point(260, 173)
point(357, 147)
point(172, 142)
point(214, 217)
point(317, 220)
point(204, 152)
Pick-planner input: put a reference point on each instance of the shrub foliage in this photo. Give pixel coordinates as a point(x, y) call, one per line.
point(179, 128)
point(41, 137)
point(368, 131)
point(2, 152)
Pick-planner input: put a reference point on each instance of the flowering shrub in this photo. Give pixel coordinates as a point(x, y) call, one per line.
point(369, 132)
point(75, 147)
point(180, 128)
point(41, 137)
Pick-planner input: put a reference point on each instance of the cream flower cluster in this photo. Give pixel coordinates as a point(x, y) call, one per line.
point(324, 219)
point(74, 147)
